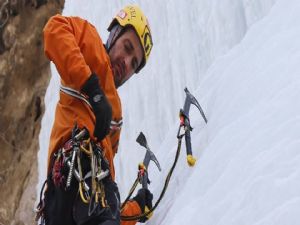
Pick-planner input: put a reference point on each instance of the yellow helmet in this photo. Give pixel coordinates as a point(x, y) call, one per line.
point(132, 15)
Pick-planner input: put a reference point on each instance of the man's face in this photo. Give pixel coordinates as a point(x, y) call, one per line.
point(126, 55)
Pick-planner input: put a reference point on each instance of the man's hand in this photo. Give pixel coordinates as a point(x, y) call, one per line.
point(144, 198)
point(100, 105)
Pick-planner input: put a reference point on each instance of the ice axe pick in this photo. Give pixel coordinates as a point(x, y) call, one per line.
point(143, 167)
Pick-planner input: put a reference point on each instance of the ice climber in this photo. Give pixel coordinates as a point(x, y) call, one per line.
point(80, 187)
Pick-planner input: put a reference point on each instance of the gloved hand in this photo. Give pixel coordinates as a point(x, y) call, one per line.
point(101, 107)
point(144, 198)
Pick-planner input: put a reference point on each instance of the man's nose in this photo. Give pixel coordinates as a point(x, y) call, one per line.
point(128, 65)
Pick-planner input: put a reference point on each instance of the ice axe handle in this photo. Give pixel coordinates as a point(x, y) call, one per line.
point(145, 180)
point(143, 173)
point(190, 159)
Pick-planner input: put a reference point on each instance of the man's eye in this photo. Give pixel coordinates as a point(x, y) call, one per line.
point(127, 48)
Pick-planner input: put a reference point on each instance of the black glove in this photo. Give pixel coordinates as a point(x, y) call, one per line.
point(144, 198)
point(100, 105)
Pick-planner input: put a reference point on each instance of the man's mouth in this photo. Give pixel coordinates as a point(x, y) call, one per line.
point(119, 72)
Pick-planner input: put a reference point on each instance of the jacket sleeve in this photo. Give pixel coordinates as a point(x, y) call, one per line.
point(130, 209)
point(61, 44)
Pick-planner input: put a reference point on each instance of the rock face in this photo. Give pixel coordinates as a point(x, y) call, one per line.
point(24, 76)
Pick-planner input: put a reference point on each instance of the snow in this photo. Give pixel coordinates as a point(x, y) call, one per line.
point(240, 60)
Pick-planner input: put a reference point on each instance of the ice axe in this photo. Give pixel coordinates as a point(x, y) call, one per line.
point(185, 122)
point(143, 167)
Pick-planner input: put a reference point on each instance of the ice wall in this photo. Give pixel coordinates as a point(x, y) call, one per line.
point(188, 37)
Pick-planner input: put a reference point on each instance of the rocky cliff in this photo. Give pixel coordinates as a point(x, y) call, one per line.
point(24, 76)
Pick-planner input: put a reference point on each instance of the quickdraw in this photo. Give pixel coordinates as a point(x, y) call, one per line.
point(70, 156)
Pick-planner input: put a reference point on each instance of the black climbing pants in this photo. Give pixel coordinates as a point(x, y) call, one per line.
point(66, 207)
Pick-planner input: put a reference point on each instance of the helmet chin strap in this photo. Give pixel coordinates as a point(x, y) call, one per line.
point(114, 34)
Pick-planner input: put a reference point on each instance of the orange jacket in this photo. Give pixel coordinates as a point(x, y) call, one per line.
point(76, 49)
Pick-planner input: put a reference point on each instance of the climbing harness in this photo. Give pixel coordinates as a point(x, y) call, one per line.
point(114, 125)
point(183, 130)
point(74, 93)
point(68, 163)
point(73, 157)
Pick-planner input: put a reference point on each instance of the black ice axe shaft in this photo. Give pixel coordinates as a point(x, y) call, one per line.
point(184, 113)
point(141, 139)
